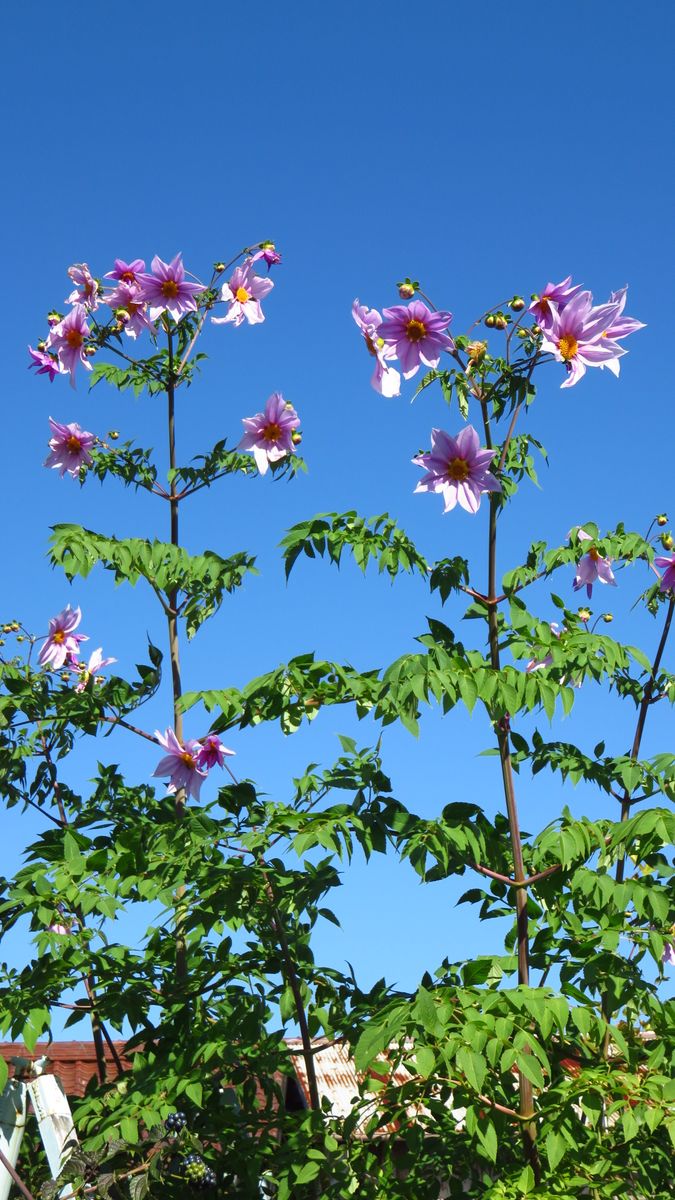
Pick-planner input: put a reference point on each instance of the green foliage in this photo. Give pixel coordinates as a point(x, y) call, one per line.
point(199, 579)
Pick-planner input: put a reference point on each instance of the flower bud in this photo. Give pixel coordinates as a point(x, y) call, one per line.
point(113, 434)
point(517, 304)
point(406, 290)
point(662, 519)
point(42, 345)
point(20, 638)
point(123, 316)
point(522, 333)
point(536, 330)
point(584, 614)
point(535, 296)
point(90, 351)
point(500, 321)
point(266, 246)
point(490, 320)
point(667, 541)
point(2, 641)
point(296, 437)
point(15, 626)
point(608, 618)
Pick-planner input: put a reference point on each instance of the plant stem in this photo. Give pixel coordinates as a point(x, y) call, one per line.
point(642, 717)
point(503, 741)
point(174, 652)
point(16, 1178)
point(294, 984)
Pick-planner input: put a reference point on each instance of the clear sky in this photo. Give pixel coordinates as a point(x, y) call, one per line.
point(481, 148)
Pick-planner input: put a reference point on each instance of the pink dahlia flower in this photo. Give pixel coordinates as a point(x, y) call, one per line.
point(243, 294)
point(86, 291)
point(457, 467)
point(167, 289)
point(555, 296)
point(67, 338)
point(127, 272)
point(62, 642)
point(417, 333)
point(69, 448)
point(91, 672)
point(538, 664)
point(592, 568)
point(620, 327)
point(269, 434)
point(268, 253)
point(180, 764)
point(576, 336)
point(46, 364)
point(385, 379)
point(668, 577)
point(212, 752)
point(128, 296)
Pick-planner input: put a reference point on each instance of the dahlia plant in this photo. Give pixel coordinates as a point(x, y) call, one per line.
point(541, 1069)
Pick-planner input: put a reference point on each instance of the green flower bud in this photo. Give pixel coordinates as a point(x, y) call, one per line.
point(607, 618)
point(517, 304)
point(219, 267)
point(500, 321)
point(296, 437)
point(20, 638)
point(490, 320)
point(113, 434)
point(667, 541)
point(406, 290)
point(584, 614)
point(662, 519)
point(522, 333)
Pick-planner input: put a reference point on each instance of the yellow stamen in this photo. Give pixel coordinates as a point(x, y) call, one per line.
point(271, 432)
point(416, 330)
point(73, 444)
point(74, 338)
point(187, 759)
point(169, 289)
point(59, 637)
point(568, 346)
point(594, 554)
point(458, 469)
point(241, 295)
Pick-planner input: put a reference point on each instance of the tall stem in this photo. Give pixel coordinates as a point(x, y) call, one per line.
point(294, 984)
point(174, 651)
point(642, 717)
point(503, 742)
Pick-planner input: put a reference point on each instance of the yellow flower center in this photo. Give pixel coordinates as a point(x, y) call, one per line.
point(127, 276)
point(73, 444)
point(188, 759)
point(241, 295)
point(416, 330)
point(59, 637)
point(568, 346)
point(458, 469)
point(74, 338)
point(169, 289)
point(594, 554)
point(271, 432)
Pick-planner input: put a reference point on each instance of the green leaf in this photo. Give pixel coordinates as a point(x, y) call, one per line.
point(473, 1066)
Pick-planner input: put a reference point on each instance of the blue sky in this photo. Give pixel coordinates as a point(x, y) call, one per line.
point(479, 148)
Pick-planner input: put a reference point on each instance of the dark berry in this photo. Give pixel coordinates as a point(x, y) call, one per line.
point(175, 1122)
